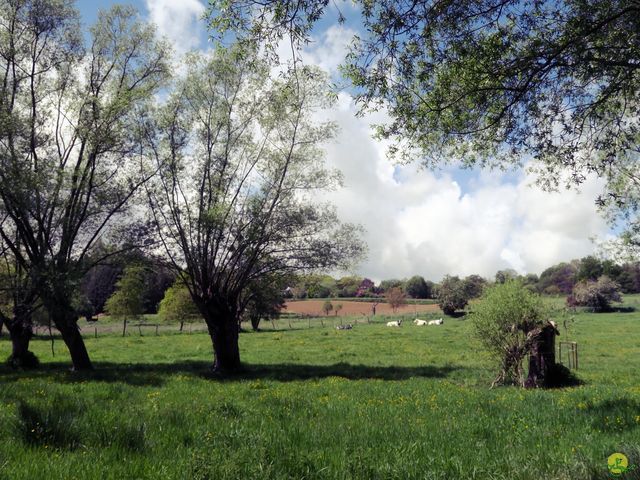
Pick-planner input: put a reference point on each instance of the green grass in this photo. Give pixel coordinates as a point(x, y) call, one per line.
point(373, 402)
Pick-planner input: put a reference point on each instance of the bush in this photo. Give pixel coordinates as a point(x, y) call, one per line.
point(596, 295)
point(501, 319)
point(452, 295)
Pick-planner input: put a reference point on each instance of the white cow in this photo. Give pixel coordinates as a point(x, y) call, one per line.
point(436, 322)
point(396, 323)
point(419, 322)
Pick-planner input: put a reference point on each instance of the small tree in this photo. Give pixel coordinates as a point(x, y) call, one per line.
point(177, 305)
point(337, 308)
point(395, 298)
point(127, 302)
point(327, 307)
point(264, 299)
point(452, 295)
point(503, 321)
point(596, 295)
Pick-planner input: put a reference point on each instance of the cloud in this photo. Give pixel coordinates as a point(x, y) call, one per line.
point(420, 222)
point(417, 221)
point(179, 22)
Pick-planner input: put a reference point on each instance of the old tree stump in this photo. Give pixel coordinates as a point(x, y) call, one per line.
point(542, 355)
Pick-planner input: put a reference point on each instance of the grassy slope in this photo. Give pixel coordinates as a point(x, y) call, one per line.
point(373, 402)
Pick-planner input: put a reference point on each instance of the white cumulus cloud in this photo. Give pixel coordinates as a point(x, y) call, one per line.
point(179, 21)
point(421, 222)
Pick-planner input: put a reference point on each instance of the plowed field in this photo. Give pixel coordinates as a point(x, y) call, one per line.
point(314, 307)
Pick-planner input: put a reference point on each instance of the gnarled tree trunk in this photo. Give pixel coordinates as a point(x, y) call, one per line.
point(222, 324)
point(20, 332)
point(65, 319)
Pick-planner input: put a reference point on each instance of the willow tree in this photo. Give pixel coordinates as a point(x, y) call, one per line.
point(237, 194)
point(70, 156)
point(18, 301)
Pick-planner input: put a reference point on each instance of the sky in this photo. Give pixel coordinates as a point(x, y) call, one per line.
point(416, 221)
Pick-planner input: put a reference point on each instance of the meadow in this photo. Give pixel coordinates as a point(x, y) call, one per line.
point(316, 403)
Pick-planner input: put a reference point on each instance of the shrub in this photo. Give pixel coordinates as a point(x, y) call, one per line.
point(596, 295)
point(452, 295)
point(501, 319)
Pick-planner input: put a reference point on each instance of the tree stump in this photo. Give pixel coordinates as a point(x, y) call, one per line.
point(542, 357)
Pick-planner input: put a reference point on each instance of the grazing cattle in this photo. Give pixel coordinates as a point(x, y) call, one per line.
point(348, 326)
point(396, 323)
point(419, 322)
point(436, 322)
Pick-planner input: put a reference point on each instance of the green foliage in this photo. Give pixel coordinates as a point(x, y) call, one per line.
point(390, 283)
point(416, 287)
point(265, 298)
point(558, 279)
point(348, 286)
point(177, 304)
point(596, 294)
point(126, 301)
point(316, 286)
point(590, 268)
point(502, 317)
point(474, 286)
point(452, 295)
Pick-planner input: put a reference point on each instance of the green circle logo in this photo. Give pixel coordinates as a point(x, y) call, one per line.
point(617, 463)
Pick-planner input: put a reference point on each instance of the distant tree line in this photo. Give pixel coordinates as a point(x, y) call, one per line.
point(99, 284)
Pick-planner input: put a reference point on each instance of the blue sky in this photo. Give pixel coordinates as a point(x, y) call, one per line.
point(417, 222)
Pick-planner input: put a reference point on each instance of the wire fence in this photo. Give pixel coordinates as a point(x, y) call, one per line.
point(99, 329)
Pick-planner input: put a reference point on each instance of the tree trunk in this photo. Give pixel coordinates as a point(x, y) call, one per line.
point(223, 329)
point(124, 327)
point(20, 332)
point(255, 322)
point(75, 343)
point(57, 302)
point(64, 317)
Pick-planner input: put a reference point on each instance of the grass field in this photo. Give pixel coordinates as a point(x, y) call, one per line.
point(373, 402)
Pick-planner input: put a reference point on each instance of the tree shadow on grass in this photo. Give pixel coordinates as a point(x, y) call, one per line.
point(156, 374)
point(617, 415)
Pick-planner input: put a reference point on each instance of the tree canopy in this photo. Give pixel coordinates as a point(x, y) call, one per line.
point(490, 82)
